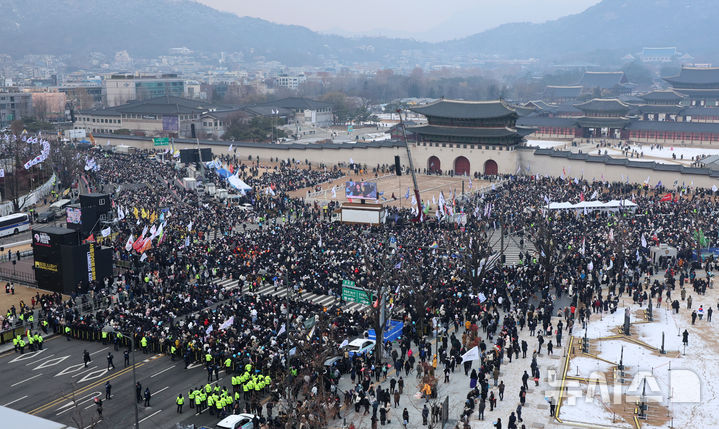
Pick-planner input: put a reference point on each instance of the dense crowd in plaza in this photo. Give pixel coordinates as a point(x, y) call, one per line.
point(167, 297)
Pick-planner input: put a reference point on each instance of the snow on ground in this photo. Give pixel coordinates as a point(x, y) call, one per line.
point(682, 388)
point(664, 155)
point(651, 333)
point(586, 367)
point(603, 327)
point(545, 144)
point(590, 411)
point(667, 151)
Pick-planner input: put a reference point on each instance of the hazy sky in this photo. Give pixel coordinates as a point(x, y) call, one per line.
point(422, 19)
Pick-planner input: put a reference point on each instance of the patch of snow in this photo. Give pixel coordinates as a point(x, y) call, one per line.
point(545, 144)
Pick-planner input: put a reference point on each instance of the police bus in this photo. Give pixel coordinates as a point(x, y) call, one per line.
point(14, 223)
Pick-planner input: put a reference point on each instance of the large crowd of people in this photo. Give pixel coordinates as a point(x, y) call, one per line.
point(436, 279)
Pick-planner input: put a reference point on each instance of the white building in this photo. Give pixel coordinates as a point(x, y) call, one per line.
point(289, 82)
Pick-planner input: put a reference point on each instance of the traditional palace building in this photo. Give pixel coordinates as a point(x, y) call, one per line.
point(469, 133)
point(688, 113)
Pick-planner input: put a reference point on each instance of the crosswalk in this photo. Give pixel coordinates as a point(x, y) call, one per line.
point(281, 292)
point(511, 246)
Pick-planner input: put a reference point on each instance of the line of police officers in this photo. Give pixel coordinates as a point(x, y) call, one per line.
point(219, 401)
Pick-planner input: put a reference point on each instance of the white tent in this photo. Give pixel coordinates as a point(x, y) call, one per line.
point(613, 205)
point(239, 184)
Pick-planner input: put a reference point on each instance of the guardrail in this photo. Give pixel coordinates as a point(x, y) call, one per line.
point(18, 277)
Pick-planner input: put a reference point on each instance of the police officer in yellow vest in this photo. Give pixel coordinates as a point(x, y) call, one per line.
point(38, 341)
point(211, 404)
point(191, 398)
point(180, 400)
point(143, 344)
point(246, 390)
point(68, 332)
point(21, 344)
point(220, 405)
point(198, 401)
point(16, 343)
point(103, 334)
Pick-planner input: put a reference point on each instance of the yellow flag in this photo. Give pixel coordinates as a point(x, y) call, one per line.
point(153, 217)
point(135, 212)
point(144, 213)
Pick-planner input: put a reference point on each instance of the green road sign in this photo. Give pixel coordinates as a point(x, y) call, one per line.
point(161, 141)
point(350, 293)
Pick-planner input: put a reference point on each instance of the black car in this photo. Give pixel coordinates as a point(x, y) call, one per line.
point(46, 216)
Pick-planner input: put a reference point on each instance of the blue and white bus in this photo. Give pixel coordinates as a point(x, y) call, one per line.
point(14, 223)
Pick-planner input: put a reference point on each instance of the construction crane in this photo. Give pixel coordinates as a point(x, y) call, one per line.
point(419, 216)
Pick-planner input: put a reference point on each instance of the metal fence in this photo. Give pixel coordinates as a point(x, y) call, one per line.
point(12, 275)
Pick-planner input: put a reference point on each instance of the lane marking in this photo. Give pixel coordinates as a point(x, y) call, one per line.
point(51, 362)
point(155, 393)
point(27, 379)
point(79, 399)
point(101, 350)
point(12, 402)
point(84, 389)
point(71, 368)
point(82, 372)
point(90, 398)
point(93, 374)
point(158, 373)
point(39, 360)
point(151, 415)
point(27, 356)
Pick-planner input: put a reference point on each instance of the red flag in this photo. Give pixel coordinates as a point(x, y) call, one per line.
point(137, 245)
point(90, 239)
point(581, 196)
point(667, 197)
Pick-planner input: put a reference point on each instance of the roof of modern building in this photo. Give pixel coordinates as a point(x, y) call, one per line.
point(159, 105)
point(17, 419)
point(466, 109)
point(603, 80)
point(266, 110)
point(433, 130)
point(603, 105)
point(695, 76)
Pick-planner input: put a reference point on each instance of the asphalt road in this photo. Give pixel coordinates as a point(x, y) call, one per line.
point(54, 384)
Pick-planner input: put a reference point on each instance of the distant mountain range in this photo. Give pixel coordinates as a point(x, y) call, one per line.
point(144, 28)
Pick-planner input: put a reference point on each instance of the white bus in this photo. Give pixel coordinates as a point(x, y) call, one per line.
point(14, 223)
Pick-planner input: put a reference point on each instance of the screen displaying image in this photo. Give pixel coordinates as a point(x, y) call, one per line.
point(74, 215)
point(362, 190)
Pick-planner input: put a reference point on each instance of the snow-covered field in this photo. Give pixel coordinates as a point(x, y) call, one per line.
point(664, 154)
point(681, 390)
point(545, 144)
point(604, 326)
